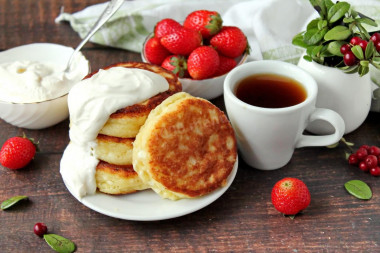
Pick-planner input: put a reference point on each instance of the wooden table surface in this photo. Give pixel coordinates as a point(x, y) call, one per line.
point(243, 219)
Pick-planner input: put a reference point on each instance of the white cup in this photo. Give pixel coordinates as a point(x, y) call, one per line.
point(267, 137)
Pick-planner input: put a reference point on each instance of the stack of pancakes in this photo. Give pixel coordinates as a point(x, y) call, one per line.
point(115, 173)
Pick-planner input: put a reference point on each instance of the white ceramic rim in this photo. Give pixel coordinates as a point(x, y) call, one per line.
point(271, 66)
point(42, 44)
point(142, 206)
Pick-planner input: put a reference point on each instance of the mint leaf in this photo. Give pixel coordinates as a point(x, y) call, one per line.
point(12, 201)
point(59, 243)
point(358, 189)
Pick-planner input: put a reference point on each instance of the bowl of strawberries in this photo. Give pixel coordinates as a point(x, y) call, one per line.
point(200, 51)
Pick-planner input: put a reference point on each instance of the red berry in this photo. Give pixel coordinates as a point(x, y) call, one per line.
point(375, 171)
point(182, 42)
point(202, 62)
point(377, 45)
point(361, 153)
point(363, 44)
point(353, 159)
point(166, 26)
point(374, 150)
point(363, 166)
point(40, 229)
point(17, 152)
point(290, 196)
point(230, 41)
point(375, 37)
point(370, 161)
point(345, 48)
point(349, 58)
point(365, 147)
point(155, 53)
point(207, 22)
point(355, 41)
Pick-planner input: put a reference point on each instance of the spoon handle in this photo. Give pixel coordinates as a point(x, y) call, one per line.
point(111, 8)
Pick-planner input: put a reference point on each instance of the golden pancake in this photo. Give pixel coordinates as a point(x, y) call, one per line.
point(117, 179)
point(126, 122)
point(185, 149)
point(114, 150)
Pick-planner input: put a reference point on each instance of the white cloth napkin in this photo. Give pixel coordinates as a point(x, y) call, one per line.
point(269, 25)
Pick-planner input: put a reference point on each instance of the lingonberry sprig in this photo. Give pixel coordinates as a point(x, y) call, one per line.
point(337, 38)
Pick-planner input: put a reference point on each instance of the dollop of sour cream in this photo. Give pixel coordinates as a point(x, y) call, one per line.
point(91, 102)
point(31, 81)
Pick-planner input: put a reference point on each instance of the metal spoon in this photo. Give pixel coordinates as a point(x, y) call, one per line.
point(111, 8)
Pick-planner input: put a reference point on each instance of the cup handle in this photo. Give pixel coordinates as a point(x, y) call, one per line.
point(327, 115)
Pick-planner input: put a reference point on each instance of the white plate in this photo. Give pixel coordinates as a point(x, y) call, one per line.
point(148, 206)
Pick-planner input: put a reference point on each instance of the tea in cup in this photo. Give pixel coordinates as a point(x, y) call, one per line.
point(270, 104)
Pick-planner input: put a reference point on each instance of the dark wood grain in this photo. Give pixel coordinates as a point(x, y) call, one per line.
point(242, 220)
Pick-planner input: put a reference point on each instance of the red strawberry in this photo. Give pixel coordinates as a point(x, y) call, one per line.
point(155, 53)
point(202, 62)
point(176, 64)
point(290, 196)
point(17, 152)
point(207, 22)
point(166, 26)
point(182, 42)
point(230, 41)
point(225, 65)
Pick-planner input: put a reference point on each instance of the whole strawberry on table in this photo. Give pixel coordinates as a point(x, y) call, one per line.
point(17, 152)
point(199, 49)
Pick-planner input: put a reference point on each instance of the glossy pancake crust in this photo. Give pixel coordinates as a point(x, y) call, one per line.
point(185, 149)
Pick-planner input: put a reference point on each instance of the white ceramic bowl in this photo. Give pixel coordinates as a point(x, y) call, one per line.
point(207, 88)
point(47, 113)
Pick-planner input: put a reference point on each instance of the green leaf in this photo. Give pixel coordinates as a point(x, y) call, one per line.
point(316, 51)
point(354, 13)
point(367, 21)
point(337, 11)
point(363, 32)
point(370, 50)
point(322, 24)
point(298, 40)
point(12, 201)
point(59, 243)
point(358, 52)
point(358, 189)
point(337, 33)
point(348, 20)
point(333, 145)
point(320, 7)
point(334, 47)
point(313, 24)
point(350, 69)
point(307, 58)
point(364, 63)
point(362, 70)
point(328, 4)
point(313, 36)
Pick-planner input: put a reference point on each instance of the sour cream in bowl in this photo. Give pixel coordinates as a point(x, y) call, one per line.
point(34, 86)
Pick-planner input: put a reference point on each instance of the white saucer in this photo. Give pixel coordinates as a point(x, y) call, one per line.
point(149, 206)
